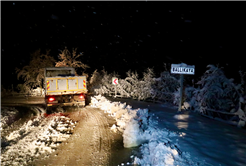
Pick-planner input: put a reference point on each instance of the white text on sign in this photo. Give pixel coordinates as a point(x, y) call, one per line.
point(182, 70)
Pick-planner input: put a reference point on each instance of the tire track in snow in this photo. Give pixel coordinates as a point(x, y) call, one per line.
point(103, 150)
point(89, 145)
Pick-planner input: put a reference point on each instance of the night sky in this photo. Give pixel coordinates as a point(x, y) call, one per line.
point(120, 36)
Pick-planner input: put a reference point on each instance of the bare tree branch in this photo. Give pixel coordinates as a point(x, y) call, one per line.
point(33, 73)
point(66, 59)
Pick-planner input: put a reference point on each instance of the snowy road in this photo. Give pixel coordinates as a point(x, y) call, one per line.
point(171, 137)
point(92, 141)
point(89, 145)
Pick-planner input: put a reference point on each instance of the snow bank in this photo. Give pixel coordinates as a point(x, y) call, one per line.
point(129, 121)
point(36, 137)
point(139, 128)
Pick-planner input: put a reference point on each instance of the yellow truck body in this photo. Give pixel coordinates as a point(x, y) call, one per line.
point(62, 87)
point(67, 85)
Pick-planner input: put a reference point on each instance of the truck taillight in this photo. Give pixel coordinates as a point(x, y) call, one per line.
point(81, 97)
point(51, 99)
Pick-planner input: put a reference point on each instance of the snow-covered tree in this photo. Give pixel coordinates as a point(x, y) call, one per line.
point(190, 96)
point(165, 87)
point(132, 84)
point(95, 81)
point(217, 91)
point(107, 79)
point(101, 83)
point(68, 59)
point(134, 87)
point(23, 88)
point(33, 74)
point(147, 84)
point(124, 88)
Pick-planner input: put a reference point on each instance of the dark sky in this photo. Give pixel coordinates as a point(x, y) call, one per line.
point(120, 36)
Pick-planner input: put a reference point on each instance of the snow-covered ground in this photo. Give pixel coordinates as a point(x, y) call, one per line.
point(167, 137)
point(38, 136)
point(8, 116)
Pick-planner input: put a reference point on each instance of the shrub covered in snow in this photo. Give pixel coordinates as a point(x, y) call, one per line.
point(101, 83)
point(217, 92)
point(165, 87)
point(23, 88)
point(137, 88)
point(95, 81)
point(132, 86)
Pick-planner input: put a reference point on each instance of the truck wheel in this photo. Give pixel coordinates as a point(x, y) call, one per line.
point(49, 110)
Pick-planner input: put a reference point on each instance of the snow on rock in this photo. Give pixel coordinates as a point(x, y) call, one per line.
point(36, 137)
point(139, 128)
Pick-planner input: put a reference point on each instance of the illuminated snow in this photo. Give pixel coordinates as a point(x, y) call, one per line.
point(139, 129)
point(37, 136)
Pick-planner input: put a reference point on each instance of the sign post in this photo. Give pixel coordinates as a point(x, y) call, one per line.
point(115, 82)
point(181, 91)
point(182, 69)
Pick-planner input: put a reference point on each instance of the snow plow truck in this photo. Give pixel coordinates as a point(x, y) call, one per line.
point(63, 88)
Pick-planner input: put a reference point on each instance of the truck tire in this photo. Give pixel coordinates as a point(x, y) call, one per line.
point(49, 110)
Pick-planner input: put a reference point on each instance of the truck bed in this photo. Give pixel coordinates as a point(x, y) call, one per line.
point(65, 85)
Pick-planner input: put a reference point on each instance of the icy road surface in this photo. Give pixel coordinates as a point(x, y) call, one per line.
point(212, 142)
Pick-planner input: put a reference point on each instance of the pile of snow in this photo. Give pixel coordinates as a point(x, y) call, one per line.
point(8, 116)
point(158, 147)
point(36, 137)
point(128, 119)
